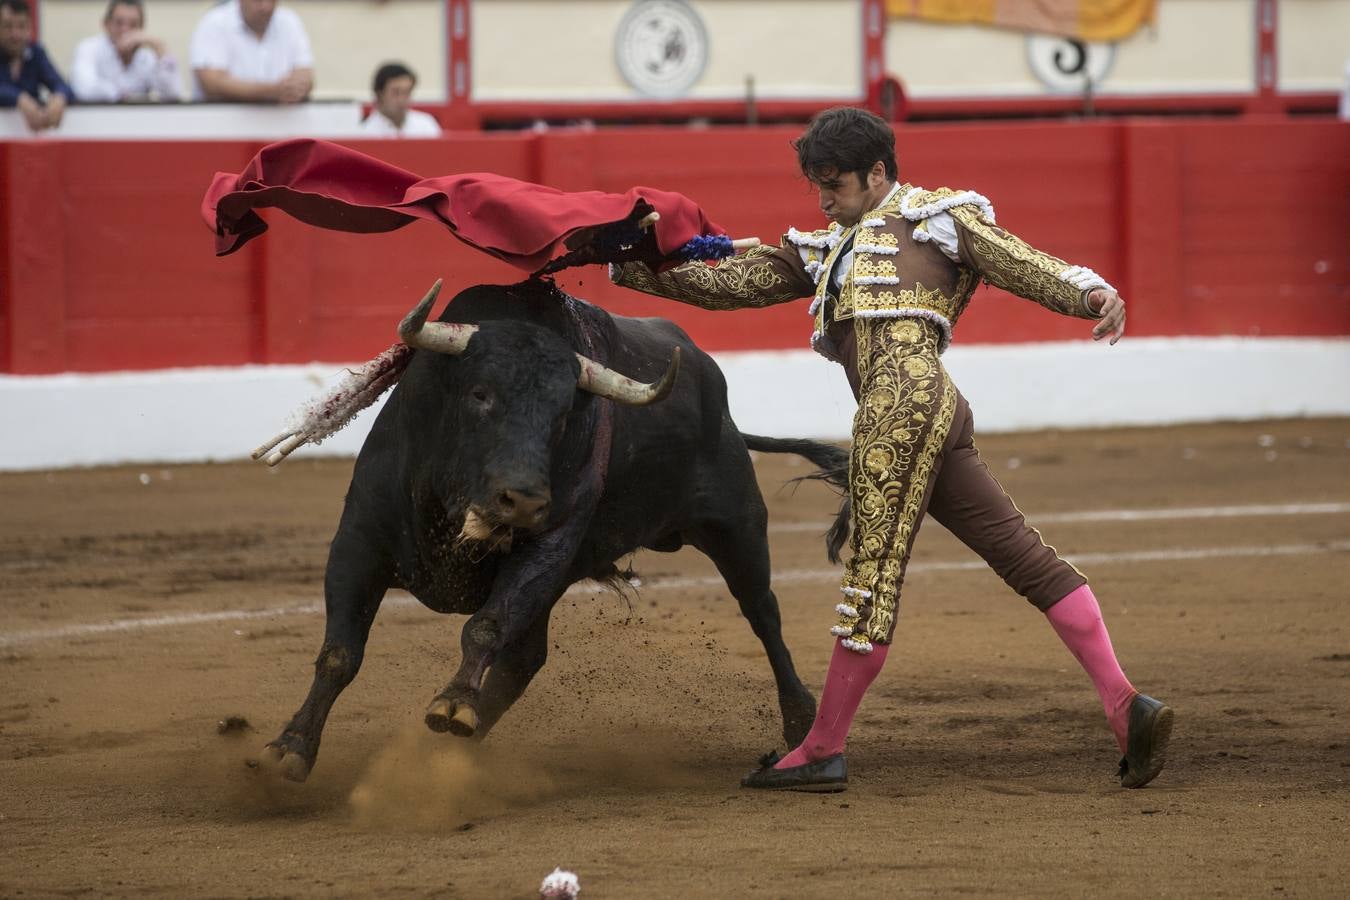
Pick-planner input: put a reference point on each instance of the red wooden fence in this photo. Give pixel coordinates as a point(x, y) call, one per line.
point(1208, 228)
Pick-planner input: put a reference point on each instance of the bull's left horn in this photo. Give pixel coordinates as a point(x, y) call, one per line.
point(442, 337)
point(607, 383)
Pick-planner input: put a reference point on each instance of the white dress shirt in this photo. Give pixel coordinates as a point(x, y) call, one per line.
point(223, 41)
point(416, 124)
point(98, 75)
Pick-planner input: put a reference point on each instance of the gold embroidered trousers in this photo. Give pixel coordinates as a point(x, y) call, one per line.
point(914, 454)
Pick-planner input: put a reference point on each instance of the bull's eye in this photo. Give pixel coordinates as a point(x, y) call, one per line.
point(480, 397)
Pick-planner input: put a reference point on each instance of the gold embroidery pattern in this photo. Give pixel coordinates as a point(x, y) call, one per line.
point(877, 238)
point(864, 266)
point(822, 295)
point(864, 233)
point(902, 422)
point(966, 284)
point(866, 297)
point(747, 280)
point(1008, 262)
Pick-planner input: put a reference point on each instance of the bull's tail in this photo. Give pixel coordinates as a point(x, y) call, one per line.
point(832, 463)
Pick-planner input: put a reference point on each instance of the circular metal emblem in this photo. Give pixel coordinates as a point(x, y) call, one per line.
point(661, 47)
point(1066, 65)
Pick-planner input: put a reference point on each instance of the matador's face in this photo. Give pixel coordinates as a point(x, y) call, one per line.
point(846, 196)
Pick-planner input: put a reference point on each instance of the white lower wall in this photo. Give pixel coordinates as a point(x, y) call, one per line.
point(185, 415)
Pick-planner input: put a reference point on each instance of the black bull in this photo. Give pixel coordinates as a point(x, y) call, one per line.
point(490, 483)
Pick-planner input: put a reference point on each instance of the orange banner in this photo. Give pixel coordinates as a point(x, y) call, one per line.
point(1088, 20)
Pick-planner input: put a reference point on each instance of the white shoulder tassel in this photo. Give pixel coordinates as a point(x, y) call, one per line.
point(918, 213)
point(824, 242)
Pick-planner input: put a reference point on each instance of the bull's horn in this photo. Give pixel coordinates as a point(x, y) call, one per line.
point(607, 383)
point(442, 337)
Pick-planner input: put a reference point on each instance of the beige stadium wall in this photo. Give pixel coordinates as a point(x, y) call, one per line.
point(551, 50)
point(564, 49)
point(1314, 44)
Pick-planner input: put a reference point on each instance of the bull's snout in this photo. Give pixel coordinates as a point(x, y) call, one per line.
point(524, 508)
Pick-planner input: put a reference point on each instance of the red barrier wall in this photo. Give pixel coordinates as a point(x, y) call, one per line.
point(1207, 227)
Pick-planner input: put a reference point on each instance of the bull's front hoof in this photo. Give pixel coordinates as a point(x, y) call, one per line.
point(288, 764)
point(459, 719)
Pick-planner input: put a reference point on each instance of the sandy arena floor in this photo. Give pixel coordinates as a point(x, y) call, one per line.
point(141, 606)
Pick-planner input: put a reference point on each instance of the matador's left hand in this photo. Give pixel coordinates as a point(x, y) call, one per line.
point(1109, 305)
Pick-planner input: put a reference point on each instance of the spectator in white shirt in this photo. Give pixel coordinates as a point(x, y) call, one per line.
point(251, 51)
point(123, 63)
point(391, 117)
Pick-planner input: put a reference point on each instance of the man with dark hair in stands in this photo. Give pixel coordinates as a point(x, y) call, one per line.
point(889, 278)
point(123, 63)
point(252, 52)
point(26, 71)
point(392, 115)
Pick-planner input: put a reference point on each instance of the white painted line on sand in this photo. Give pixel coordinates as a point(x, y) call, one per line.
point(1142, 515)
point(786, 576)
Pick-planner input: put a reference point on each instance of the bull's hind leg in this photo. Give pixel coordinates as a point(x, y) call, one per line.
point(741, 553)
point(353, 588)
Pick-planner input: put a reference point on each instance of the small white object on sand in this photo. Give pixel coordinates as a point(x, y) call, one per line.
point(560, 885)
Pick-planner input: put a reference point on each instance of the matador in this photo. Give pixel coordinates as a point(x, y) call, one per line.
point(889, 278)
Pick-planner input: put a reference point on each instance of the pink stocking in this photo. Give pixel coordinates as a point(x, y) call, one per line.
point(849, 677)
point(1077, 619)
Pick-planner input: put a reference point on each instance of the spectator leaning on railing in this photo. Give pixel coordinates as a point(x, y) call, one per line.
point(392, 117)
point(26, 70)
point(123, 63)
point(251, 51)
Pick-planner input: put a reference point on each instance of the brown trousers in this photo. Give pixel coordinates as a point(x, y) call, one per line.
point(914, 454)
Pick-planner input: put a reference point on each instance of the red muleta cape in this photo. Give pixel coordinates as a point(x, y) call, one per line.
point(524, 224)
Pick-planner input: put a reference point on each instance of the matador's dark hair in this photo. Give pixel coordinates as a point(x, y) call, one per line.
point(17, 7)
point(846, 139)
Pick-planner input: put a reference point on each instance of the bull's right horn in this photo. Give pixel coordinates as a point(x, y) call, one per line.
point(607, 383)
point(442, 337)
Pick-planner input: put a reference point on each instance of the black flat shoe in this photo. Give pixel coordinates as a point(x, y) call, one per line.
point(826, 776)
point(1146, 743)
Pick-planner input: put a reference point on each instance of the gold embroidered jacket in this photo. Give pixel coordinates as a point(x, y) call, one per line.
point(897, 268)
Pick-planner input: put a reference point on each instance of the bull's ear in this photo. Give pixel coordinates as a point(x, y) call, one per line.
point(440, 337)
point(620, 388)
